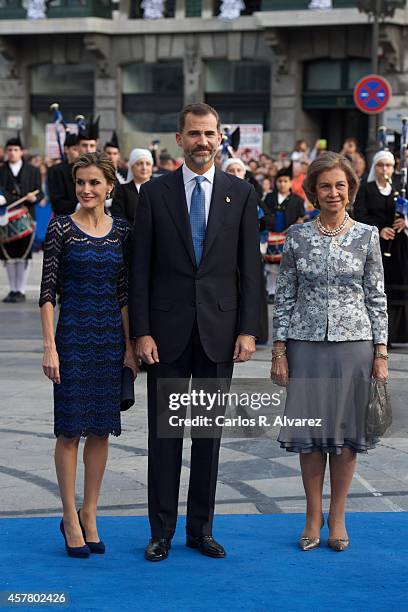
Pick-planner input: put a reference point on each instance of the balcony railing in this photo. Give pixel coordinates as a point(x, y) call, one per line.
point(193, 8)
point(13, 9)
point(299, 5)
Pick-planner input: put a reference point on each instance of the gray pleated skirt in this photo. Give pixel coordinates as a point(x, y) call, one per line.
point(327, 396)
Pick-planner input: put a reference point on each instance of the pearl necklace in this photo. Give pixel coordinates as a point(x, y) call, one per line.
point(336, 230)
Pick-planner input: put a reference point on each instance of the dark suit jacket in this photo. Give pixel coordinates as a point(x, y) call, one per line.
point(125, 202)
point(14, 188)
point(293, 206)
point(61, 189)
point(167, 292)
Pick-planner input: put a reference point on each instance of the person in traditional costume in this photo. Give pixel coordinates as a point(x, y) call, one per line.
point(375, 205)
point(126, 196)
point(112, 150)
point(19, 179)
point(61, 186)
point(282, 209)
point(88, 134)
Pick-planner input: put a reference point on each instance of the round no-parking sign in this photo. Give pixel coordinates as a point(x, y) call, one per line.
point(372, 94)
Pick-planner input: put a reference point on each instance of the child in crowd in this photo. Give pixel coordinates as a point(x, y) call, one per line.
point(282, 209)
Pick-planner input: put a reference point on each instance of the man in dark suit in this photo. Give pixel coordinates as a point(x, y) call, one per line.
point(194, 309)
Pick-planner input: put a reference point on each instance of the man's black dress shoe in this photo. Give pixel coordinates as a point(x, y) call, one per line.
point(157, 549)
point(206, 545)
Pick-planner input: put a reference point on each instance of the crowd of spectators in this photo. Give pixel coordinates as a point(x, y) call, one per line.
point(263, 170)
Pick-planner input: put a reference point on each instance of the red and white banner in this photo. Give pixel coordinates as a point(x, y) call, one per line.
point(51, 143)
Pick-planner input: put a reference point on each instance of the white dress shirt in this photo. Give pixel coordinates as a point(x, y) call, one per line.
point(15, 167)
point(207, 186)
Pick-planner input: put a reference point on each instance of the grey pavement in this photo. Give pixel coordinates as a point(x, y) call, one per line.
point(255, 475)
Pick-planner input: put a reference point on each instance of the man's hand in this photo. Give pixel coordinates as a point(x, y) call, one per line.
point(146, 349)
point(31, 197)
point(399, 225)
point(244, 348)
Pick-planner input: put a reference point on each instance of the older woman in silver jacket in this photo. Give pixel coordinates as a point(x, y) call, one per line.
point(330, 338)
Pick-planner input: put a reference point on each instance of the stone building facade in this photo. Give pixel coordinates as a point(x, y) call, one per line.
point(292, 70)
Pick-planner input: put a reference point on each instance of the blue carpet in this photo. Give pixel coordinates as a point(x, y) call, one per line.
point(264, 570)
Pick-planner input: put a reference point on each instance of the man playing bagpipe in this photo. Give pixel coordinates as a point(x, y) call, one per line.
point(19, 182)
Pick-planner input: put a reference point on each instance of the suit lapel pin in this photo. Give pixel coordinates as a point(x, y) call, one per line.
point(227, 199)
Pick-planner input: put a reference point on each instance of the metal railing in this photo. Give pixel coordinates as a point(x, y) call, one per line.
point(14, 9)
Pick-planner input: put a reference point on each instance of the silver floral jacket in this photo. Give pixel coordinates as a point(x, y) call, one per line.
point(331, 288)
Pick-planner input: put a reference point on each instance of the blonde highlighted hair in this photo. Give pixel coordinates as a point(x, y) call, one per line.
point(99, 160)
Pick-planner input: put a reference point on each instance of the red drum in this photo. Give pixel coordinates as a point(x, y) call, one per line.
point(20, 224)
point(276, 240)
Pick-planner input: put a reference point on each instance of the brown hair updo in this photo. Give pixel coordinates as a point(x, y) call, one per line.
point(328, 161)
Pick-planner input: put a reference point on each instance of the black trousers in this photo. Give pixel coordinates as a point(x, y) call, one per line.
point(165, 454)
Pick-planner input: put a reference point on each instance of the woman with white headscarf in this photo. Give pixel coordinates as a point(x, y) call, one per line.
point(235, 166)
point(375, 205)
point(140, 168)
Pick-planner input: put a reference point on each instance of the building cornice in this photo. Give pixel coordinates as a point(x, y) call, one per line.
point(120, 25)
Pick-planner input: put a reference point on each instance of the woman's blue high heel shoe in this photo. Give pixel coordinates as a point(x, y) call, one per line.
point(97, 548)
point(81, 552)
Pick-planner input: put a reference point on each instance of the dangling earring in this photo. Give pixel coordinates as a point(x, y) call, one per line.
point(316, 204)
point(108, 195)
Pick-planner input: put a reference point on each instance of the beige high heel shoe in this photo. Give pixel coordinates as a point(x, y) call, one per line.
point(306, 543)
point(338, 544)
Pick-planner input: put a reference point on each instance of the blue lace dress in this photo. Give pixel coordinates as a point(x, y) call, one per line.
point(90, 275)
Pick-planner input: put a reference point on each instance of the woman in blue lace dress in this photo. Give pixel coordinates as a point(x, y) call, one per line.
point(84, 258)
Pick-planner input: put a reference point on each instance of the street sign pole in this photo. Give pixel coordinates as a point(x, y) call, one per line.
point(374, 120)
point(378, 9)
